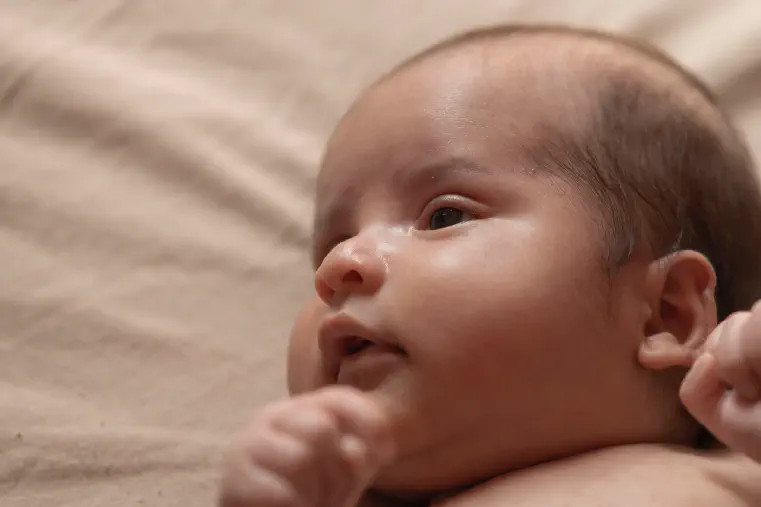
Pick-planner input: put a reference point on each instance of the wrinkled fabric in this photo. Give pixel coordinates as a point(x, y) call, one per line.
point(156, 170)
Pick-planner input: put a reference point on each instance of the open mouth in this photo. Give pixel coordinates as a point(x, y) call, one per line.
point(365, 364)
point(354, 345)
point(349, 347)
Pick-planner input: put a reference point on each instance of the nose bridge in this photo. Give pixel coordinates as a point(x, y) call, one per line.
point(356, 266)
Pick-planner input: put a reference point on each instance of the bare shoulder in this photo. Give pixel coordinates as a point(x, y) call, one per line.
point(632, 476)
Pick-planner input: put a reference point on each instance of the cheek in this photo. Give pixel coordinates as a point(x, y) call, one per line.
point(494, 296)
point(304, 365)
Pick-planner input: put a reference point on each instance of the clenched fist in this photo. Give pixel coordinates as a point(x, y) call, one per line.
point(320, 449)
point(722, 390)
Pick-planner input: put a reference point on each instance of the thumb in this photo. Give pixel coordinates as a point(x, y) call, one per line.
point(702, 391)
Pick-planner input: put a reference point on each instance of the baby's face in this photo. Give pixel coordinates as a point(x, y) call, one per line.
point(493, 334)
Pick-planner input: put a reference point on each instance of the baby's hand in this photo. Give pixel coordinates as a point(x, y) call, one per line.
point(722, 390)
point(316, 450)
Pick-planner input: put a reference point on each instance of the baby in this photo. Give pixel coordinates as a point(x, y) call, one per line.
point(524, 239)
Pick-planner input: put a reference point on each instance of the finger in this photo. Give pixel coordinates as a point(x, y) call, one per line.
point(355, 451)
point(245, 484)
point(715, 337)
point(740, 424)
point(348, 430)
point(266, 452)
point(732, 363)
point(333, 475)
point(751, 340)
point(360, 416)
point(702, 391)
point(309, 423)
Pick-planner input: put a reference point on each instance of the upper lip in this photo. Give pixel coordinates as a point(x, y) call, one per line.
point(341, 335)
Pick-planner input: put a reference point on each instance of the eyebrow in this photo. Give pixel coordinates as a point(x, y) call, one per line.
point(440, 172)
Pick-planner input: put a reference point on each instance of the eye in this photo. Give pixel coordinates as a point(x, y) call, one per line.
point(447, 217)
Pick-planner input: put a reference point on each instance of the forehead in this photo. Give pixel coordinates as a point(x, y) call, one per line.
point(483, 104)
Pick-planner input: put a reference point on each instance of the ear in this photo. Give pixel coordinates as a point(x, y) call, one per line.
point(682, 310)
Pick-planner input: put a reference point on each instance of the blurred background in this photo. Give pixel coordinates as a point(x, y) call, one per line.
point(156, 169)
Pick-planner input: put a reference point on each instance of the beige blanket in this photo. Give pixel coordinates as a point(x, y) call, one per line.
point(156, 164)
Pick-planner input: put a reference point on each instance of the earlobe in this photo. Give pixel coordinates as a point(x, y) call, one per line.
point(662, 350)
point(683, 310)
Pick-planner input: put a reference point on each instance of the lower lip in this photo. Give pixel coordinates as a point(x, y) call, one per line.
point(367, 368)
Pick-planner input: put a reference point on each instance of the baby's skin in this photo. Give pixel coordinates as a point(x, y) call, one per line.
point(323, 448)
point(467, 344)
point(722, 390)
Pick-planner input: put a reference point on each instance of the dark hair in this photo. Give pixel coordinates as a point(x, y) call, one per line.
point(660, 157)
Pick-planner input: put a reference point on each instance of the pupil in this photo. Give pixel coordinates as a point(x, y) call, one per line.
point(445, 217)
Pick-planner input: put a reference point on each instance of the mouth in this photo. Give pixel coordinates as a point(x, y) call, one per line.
point(344, 340)
point(354, 345)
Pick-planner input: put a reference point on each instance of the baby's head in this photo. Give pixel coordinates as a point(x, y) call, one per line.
point(528, 225)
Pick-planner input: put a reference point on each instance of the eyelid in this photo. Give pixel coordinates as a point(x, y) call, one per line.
point(467, 204)
point(459, 202)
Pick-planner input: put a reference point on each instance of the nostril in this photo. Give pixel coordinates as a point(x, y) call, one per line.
point(327, 289)
point(352, 277)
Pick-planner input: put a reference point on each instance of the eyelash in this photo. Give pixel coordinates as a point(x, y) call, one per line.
point(457, 202)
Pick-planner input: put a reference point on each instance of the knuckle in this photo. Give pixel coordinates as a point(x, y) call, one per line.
point(322, 426)
point(269, 472)
point(299, 455)
point(313, 424)
point(357, 413)
point(270, 449)
point(285, 452)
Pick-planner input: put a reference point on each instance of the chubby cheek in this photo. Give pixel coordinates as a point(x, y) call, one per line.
point(515, 302)
point(304, 363)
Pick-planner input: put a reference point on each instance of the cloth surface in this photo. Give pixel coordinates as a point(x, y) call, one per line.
point(156, 170)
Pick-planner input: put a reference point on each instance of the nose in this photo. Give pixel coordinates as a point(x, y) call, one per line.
point(350, 268)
